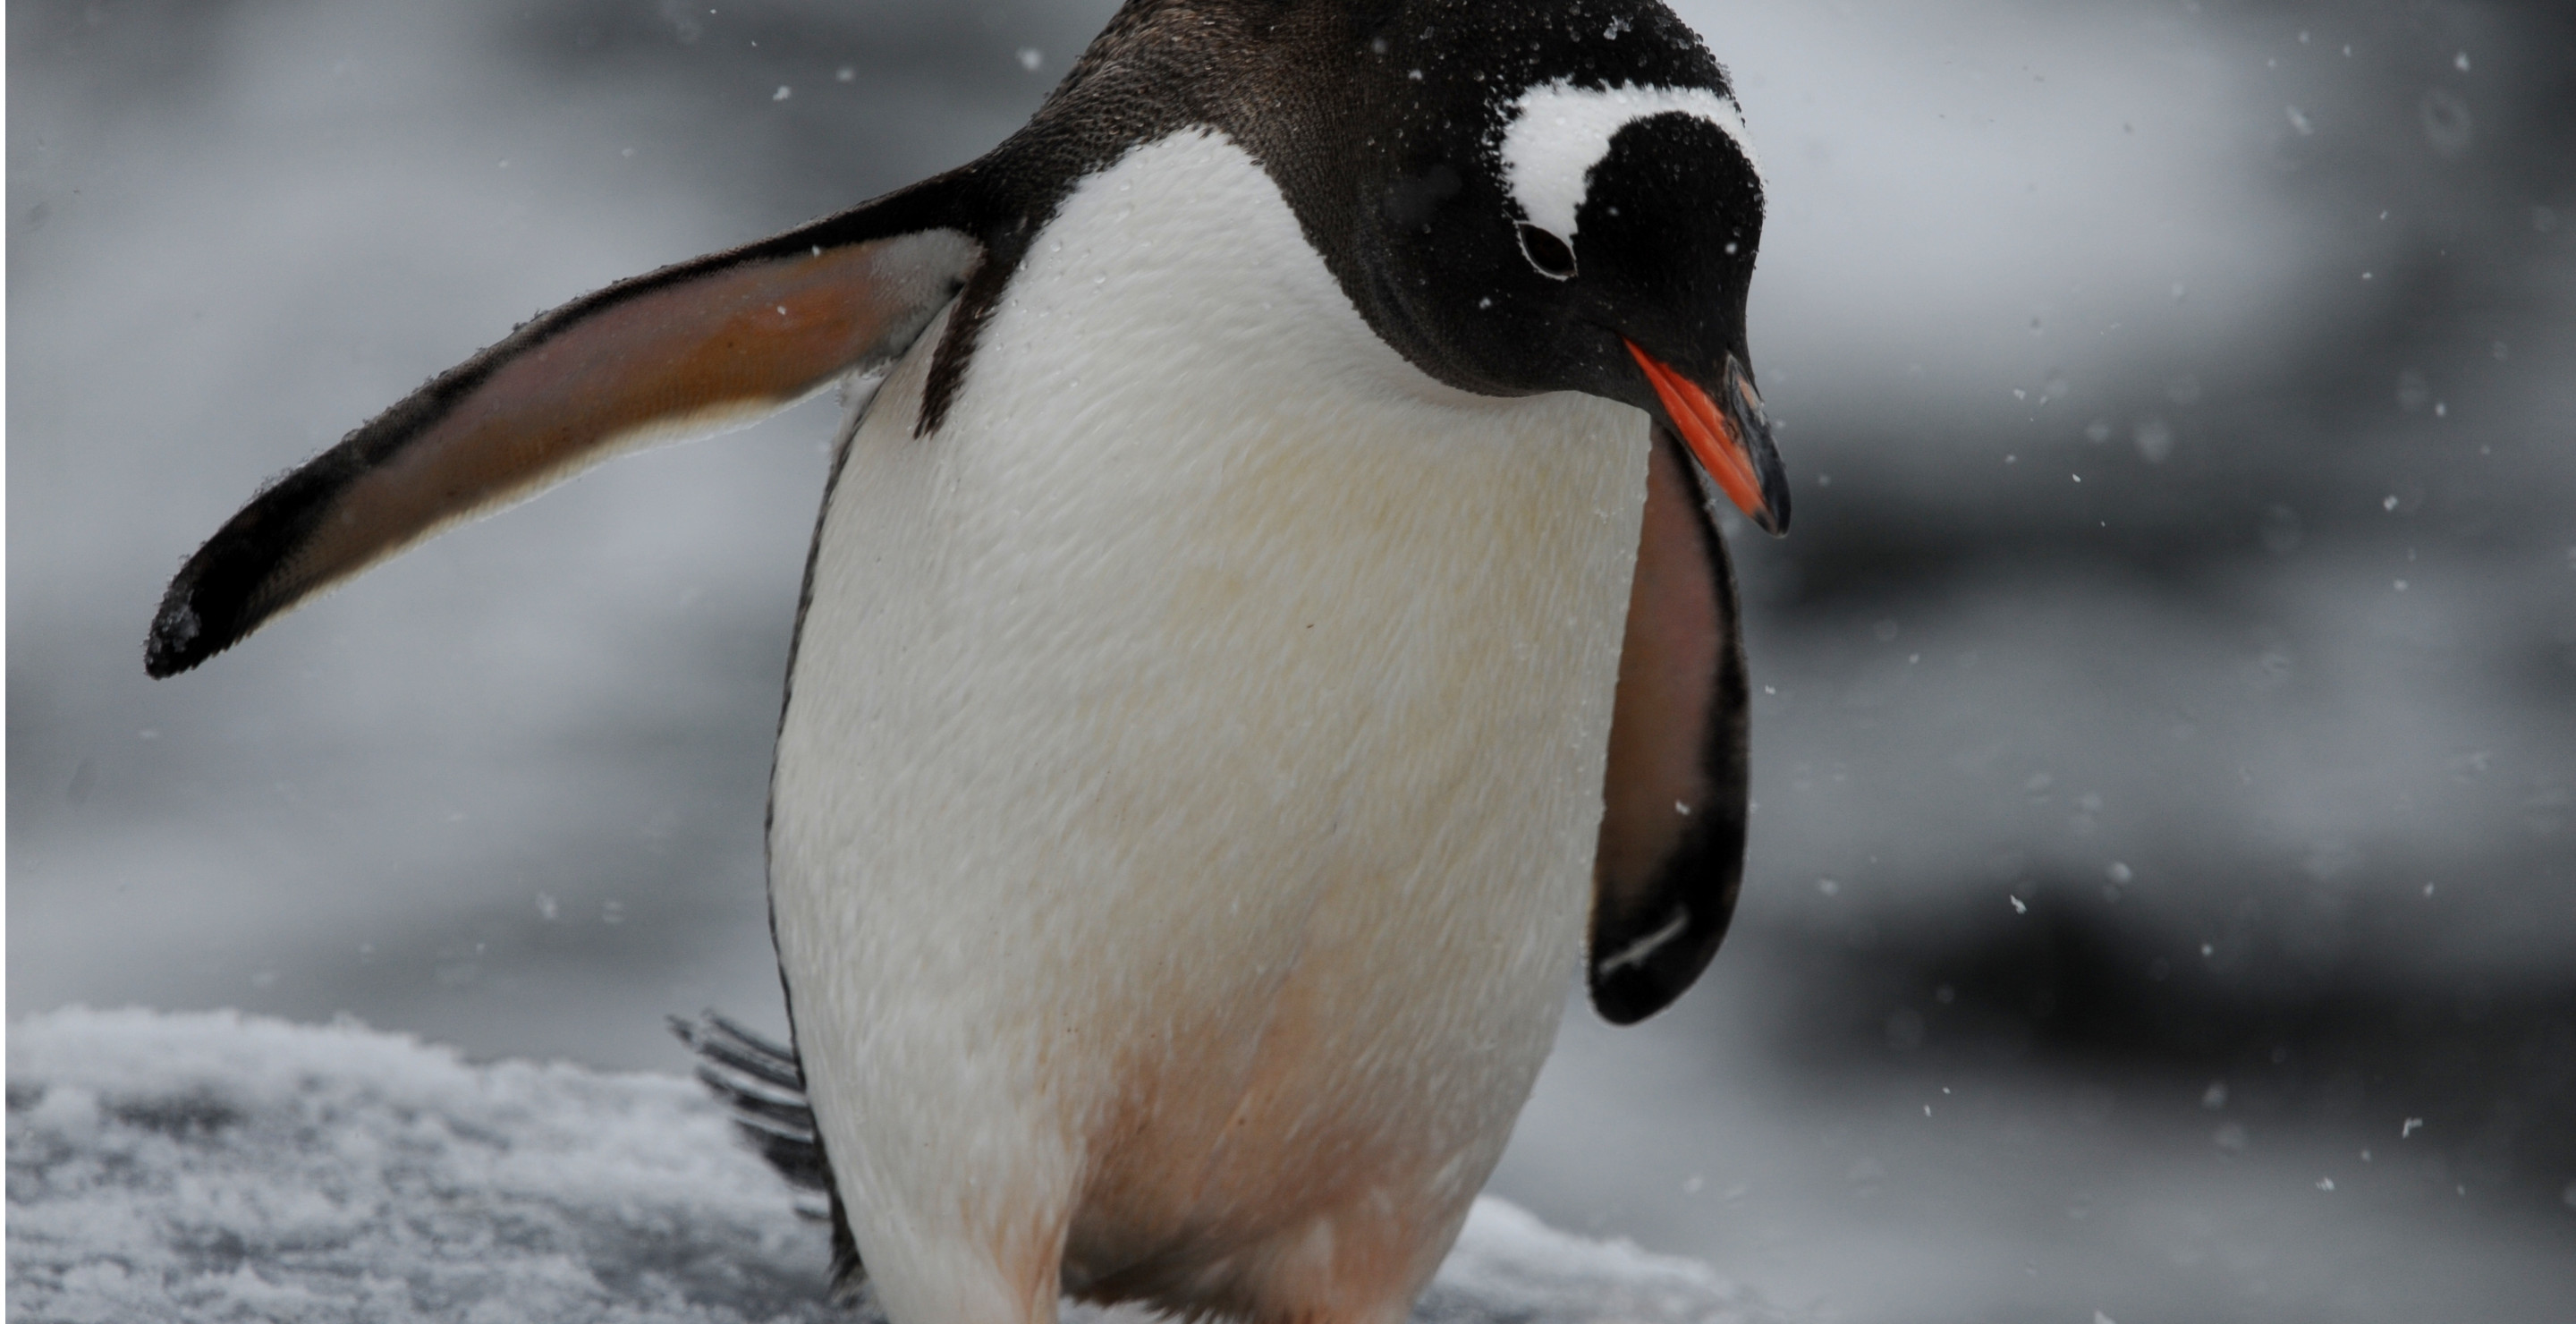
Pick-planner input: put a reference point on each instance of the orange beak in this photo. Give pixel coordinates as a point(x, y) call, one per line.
point(1732, 443)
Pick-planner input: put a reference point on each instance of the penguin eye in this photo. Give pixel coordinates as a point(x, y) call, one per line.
point(1553, 257)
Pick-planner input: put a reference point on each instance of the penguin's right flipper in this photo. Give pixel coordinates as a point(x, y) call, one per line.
point(1680, 774)
point(763, 1084)
point(700, 347)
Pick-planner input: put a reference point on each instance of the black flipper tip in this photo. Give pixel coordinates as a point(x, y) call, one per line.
point(172, 647)
point(217, 598)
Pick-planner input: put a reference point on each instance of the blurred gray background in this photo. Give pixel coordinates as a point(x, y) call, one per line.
point(2163, 886)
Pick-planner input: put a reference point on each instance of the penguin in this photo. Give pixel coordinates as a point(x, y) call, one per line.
point(1267, 627)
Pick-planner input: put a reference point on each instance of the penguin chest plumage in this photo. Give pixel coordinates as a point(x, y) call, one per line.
point(1189, 787)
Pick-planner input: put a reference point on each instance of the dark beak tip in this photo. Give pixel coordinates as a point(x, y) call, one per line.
point(1774, 516)
point(1775, 503)
point(1753, 427)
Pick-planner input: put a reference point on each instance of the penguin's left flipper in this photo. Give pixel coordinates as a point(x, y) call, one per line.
point(691, 349)
point(1671, 855)
point(763, 1084)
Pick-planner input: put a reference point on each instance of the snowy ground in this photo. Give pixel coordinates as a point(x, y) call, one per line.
point(209, 1166)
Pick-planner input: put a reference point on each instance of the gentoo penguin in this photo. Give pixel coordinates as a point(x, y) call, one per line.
point(1267, 617)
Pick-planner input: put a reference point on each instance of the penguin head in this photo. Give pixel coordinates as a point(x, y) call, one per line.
point(1562, 198)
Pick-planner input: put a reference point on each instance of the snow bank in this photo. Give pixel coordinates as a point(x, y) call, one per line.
point(220, 1167)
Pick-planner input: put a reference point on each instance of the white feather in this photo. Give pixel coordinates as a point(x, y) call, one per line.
point(1193, 764)
point(1557, 132)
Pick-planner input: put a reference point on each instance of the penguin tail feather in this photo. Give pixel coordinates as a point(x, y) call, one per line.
point(762, 1084)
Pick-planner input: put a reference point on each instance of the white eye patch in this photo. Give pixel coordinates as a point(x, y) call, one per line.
point(1558, 132)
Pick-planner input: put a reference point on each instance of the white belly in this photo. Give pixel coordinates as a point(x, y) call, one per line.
point(1187, 797)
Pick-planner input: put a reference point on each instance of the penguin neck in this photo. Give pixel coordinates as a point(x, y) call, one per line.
point(1174, 290)
point(1187, 244)
point(1174, 379)
point(1181, 470)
